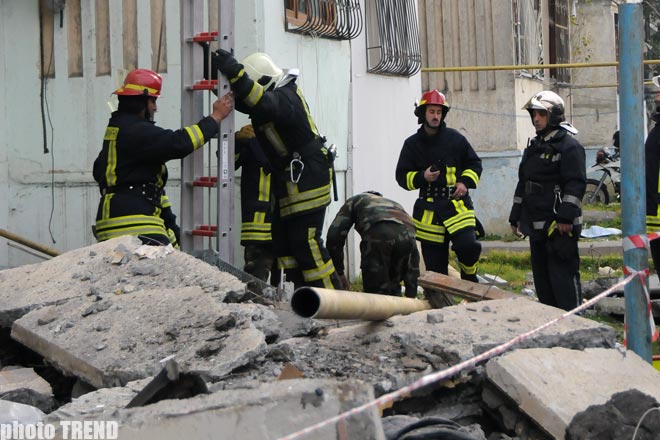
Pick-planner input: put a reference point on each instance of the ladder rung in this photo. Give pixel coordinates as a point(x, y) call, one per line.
point(205, 84)
point(206, 181)
point(205, 231)
point(205, 36)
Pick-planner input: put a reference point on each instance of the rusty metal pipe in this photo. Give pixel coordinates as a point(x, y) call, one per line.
point(315, 302)
point(29, 243)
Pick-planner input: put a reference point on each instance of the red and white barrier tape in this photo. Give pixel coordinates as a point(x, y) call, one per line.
point(449, 372)
point(641, 242)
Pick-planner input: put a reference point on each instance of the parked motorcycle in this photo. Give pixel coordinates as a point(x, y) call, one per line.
point(604, 178)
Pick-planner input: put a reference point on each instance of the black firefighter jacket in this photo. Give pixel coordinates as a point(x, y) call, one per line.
point(652, 151)
point(451, 153)
point(286, 131)
point(131, 172)
point(551, 184)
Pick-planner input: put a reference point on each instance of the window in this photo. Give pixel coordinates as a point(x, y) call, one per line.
point(335, 19)
point(392, 37)
point(528, 34)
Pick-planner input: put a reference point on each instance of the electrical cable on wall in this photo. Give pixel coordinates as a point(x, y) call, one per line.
point(45, 115)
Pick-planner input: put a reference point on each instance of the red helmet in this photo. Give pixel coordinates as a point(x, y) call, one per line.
point(432, 97)
point(141, 82)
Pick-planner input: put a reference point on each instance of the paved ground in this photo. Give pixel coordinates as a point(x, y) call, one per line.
point(587, 247)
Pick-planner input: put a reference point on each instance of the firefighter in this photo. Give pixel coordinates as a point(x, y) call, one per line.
point(547, 203)
point(652, 149)
point(301, 165)
point(440, 163)
point(130, 169)
point(256, 206)
point(388, 248)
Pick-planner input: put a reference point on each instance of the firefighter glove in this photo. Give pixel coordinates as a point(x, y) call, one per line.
point(245, 133)
point(226, 63)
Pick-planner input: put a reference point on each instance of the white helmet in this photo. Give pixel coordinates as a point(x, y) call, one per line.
point(656, 80)
point(550, 102)
point(261, 68)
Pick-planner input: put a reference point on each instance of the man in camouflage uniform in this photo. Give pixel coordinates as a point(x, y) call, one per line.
point(388, 249)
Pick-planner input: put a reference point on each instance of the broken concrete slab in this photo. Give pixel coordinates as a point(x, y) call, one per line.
point(12, 412)
point(101, 271)
point(23, 385)
point(391, 353)
point(553, 385)
point(100, 403)
point(123, 338)
point(266, 411)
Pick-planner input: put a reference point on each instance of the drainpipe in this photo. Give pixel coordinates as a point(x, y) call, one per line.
point(633, 188)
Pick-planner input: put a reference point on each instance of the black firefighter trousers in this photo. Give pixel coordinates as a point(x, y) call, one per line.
point(556, 269)
point(300, 250)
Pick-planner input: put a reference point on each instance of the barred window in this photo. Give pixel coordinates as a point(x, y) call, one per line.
point(334, 19)
point(528, 20)
point(392, 37)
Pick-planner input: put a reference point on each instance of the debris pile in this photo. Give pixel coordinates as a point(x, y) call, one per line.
point(168, 346)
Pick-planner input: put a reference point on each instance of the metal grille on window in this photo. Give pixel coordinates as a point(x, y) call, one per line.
point(528, 35)
point(392, 37)
point(333, 19)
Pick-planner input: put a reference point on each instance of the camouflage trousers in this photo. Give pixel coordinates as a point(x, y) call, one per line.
point(388, 256)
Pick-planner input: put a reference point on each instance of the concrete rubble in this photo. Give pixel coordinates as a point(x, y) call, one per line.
point(106, 316)
point(254, 411)
point(23, 385)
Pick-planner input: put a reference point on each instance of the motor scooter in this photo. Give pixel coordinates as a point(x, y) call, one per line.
point(604, 178)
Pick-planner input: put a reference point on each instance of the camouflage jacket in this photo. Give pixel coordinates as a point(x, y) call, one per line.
point(362, 210)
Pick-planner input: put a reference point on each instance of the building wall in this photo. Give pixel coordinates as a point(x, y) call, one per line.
point(33, 184)
point(593, 102)
point(486, 106)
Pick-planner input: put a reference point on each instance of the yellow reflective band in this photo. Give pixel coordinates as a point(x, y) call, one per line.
point(460, 221)
point(256, 236)
point(652, 223)
point(423, 236)
point(287, 262)
point(238, 76)
point(470, 270)
point(427, 217)
point(310, 121)
point(410, 177)
point(165, 202)
point(255, 95)
point(451, 176)
point(256, 226)
point(159, 177)
point(259, 218)
point(111, 166)
point(111, 134)
point(196, 136)
point(129, 225)
point(322, 273)
point(552, 227)
point(275, 139)
point(296, 197)
point(470, 174)
point(264, 186)
point(105, 210)
point(138, 87)
point(128, 220)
